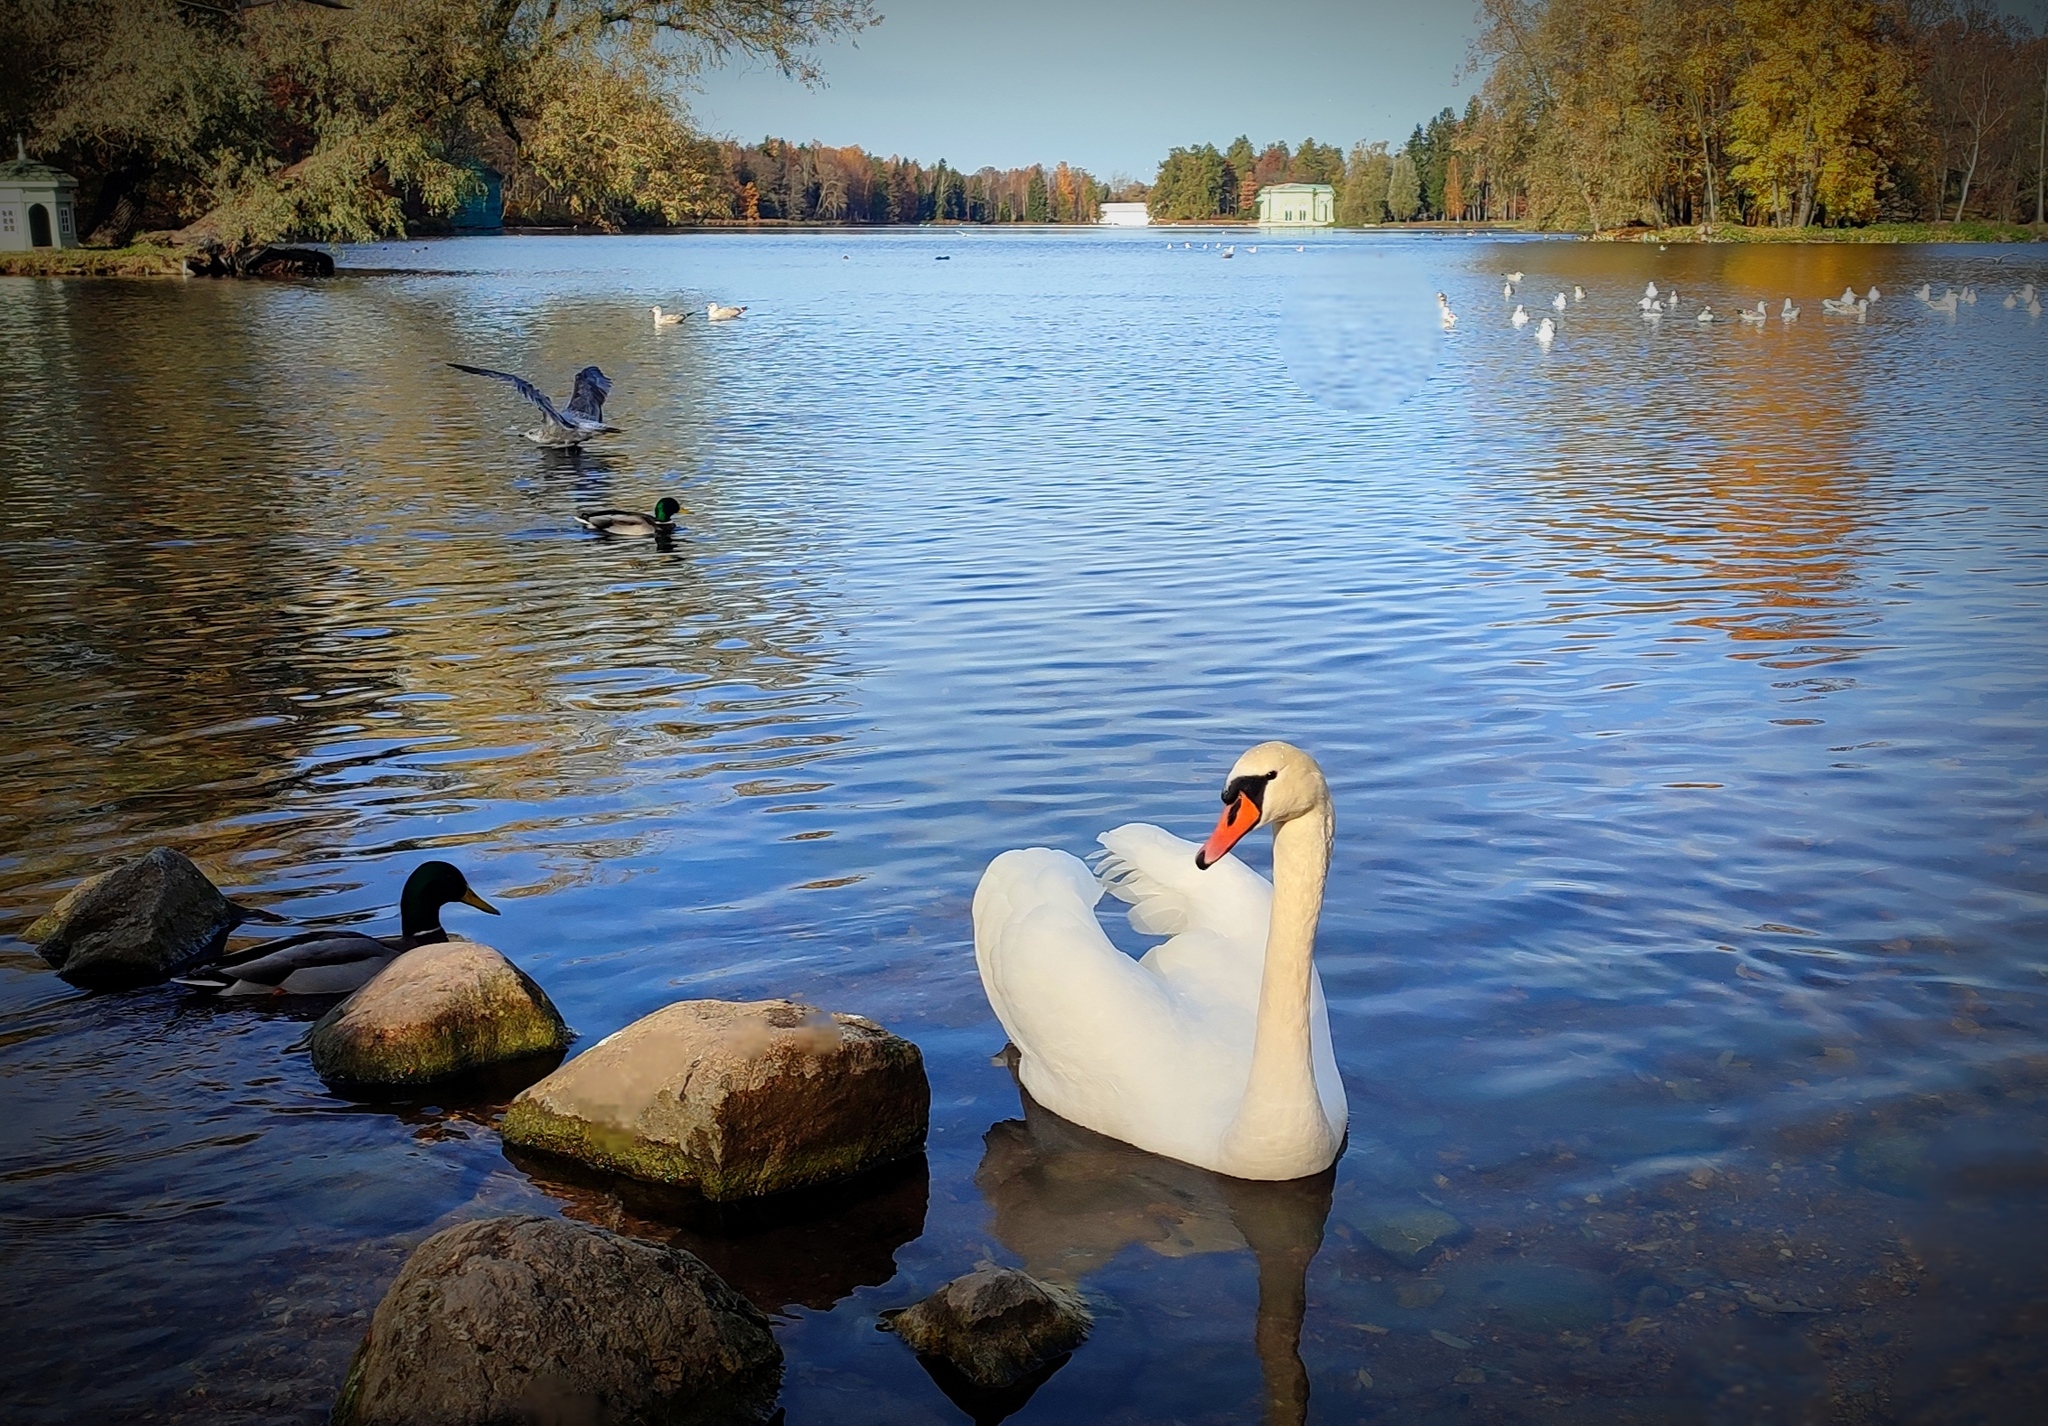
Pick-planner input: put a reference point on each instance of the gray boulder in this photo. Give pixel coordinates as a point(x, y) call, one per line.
point(530, 1319)
point(736, 1100)
point(138, 924)
point(439, 1010)
point(995, 1326)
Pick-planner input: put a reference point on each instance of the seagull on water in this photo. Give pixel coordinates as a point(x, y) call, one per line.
point(574, 424)
point(1558, 302)
point(723, 314)
point(1946, 304)
point(1521, 317)
point(1444, 312)
point(668, 319)
point(1546, 332)
point(1578, 294)
point(1788, 313)
point(1514, 277)
point(1706, 315)
point(1757, 314)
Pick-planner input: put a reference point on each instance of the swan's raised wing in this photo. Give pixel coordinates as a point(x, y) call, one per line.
point(1104, 1041)
point(525, 388)
point(1154, 871)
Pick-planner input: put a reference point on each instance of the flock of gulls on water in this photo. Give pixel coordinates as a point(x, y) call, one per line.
point(1655, 306)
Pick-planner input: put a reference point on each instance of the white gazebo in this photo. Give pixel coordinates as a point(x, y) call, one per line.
point(36, 208)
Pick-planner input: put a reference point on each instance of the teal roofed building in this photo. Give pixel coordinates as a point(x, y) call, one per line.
point(1298, 205)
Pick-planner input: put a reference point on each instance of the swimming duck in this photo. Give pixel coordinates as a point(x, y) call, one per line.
point(718, 313)
point(668, 319)
point(632, 522)
point(334, 962)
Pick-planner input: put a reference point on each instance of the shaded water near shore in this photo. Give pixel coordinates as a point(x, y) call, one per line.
point(1681, 688)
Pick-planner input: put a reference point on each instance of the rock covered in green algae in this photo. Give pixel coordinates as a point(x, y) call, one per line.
point(438, 1010)
point(527, 1318)
point(995, 1325)
point(736, 1100)
point(138, 924)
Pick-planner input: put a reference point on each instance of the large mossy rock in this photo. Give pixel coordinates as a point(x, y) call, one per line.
point(138, 924)
point(530, 1319)
point(995, 1326)
point(437, 1011)
point(735, 1100)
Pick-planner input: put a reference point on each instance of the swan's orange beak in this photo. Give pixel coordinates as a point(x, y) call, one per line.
point(1238, 818)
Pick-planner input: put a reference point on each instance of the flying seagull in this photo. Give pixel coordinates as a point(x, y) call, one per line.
point(583, 418)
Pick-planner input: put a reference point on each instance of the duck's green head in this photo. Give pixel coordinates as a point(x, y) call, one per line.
point(431, 886)
point(666, 509)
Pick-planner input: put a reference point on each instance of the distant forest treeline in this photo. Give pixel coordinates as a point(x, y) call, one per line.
point(1606, 113)
point(814, 183)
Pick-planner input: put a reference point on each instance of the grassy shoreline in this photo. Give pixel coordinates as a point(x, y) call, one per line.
point(1972, 231)
point(140, 260)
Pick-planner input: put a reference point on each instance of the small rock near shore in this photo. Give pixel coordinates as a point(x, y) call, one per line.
point(138, 924)
point(531, 1319)
point(736, 1100)
point(996, 1326)
point(438, 1010)
point(1408, 1233)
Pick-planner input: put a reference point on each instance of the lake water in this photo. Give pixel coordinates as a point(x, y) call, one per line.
point(1681, 688)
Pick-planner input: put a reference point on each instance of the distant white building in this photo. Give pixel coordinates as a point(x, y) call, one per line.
point(35, 205)
point(1125, 215)
point(1298, 205)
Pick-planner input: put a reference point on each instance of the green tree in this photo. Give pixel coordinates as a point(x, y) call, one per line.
point(1404, 188)
point(1036, 209)
point(1189, 187)
point(1363, 198)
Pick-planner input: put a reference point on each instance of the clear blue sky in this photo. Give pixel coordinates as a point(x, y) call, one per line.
point(1110, 84)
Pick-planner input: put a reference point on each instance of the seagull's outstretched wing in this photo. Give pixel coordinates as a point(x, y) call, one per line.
point(592, 386)
point(528, 390)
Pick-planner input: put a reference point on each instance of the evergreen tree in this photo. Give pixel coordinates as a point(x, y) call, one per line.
point(1364, 196)
point(1035, 208)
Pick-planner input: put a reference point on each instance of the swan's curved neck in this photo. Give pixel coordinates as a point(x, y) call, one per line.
point(1282, 1116)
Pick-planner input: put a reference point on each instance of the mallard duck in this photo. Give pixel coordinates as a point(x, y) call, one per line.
point(718, 313)
point(335, 962)
point(668, 319)
point(632, 522)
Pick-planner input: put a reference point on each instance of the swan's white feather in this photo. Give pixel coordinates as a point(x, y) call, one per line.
point(1155, 1052)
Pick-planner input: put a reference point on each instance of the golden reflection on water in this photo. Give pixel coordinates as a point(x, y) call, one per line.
point(292, 575)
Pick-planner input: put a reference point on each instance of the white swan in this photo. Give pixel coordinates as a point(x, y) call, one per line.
point(1521, 317)
point(668, 319)
point(1444, 313)
point(1215, 1048)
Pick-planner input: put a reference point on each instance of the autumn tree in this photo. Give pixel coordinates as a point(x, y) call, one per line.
point(1363, 198)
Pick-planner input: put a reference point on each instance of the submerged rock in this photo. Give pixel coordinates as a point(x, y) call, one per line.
point(1410, 1235)
point(534, 1319)
point(138, 924)
point(439, 1010)
point(735, 1100)
point(995, 1326)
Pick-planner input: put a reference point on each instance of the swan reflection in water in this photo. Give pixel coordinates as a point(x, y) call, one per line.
point(1067, 1201)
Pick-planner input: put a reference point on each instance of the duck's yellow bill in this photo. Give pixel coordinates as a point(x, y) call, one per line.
point(470, 898)
point(1238, 818)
